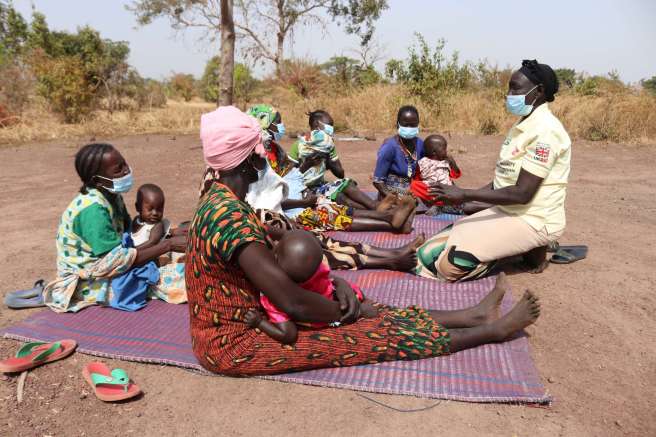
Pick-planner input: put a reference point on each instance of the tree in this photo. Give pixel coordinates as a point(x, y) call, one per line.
point(428, 72)
point(227, 70)
point(349, 72)
point(258, 17)
point(13, 33)
point(215, 16)
point(182, 85)
point(255, 18)
point(341, 68)
point(244, 82)
point(649, 84)
point(566, 76)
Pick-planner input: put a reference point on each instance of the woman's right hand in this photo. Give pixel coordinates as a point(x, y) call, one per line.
point(311, 161)
point(178, 243)
point(348, 301)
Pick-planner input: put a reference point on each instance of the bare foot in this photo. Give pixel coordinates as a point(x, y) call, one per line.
point(412, 246)
point(389, 202)
point(488, 309)
point(403, 263)
point(402, 212)
point(525, 313)
point(407, 226)
point(539, 269)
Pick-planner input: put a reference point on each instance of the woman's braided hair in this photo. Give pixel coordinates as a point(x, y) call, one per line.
point(88, 161)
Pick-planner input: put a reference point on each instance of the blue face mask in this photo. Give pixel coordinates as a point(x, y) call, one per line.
point(516, 104)
point(119, 185)
point(277, 136)
point(329, 129)
point(408, 132)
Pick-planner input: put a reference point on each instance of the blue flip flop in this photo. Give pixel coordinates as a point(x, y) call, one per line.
point(17, 303)
point(34, 291)
point(31, 298)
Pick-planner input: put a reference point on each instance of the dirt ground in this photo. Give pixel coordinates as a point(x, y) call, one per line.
point(594, 345)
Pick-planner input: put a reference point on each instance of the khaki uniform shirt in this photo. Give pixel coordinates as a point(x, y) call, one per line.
point(540, 145)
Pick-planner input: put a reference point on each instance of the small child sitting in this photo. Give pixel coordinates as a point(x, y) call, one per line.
point(436, 167)
point(300, 255)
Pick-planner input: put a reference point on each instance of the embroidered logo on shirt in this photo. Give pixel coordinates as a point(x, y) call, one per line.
point(542, 152)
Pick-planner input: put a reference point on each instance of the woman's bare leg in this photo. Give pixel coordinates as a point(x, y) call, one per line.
point(535, 261)
point(484, 312)
point(363, 224)
point(411, 247)
point(400, 263)
point(525, 313)
point(355, 194)
point(345, 200)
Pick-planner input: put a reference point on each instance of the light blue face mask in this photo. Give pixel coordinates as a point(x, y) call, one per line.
point(119, 185)
point(408, 132)
point(329, 129)
point(516, 104)
point(277, 136)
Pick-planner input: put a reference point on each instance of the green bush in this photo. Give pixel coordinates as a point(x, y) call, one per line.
point(428, 72)
point(63, 84)
point(649, 84)
point(566, 77)
point(244, 82)
point(182, 86)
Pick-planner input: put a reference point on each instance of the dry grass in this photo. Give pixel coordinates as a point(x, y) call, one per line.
point(38, 124)
point(626, 116)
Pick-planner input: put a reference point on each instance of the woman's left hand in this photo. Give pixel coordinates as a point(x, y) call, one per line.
point(448, 193)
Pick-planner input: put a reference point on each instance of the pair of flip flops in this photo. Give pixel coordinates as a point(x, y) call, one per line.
point(31, 298)
point(108, 385)
point(567, 254)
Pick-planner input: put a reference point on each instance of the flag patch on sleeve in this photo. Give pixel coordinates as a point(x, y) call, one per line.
point(542, 152)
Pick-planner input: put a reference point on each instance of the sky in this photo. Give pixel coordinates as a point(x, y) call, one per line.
point(593, 36)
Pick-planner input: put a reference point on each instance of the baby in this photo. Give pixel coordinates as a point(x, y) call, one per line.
point(437, 167)
point(299, 254)
point(149, 227)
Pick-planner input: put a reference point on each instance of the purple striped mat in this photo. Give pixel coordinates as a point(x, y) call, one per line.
point(160, 334)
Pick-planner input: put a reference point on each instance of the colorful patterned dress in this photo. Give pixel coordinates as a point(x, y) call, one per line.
point(220, 295)
point(90, 255)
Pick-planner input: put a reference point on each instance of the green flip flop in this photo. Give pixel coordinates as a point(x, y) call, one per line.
point(109, 385)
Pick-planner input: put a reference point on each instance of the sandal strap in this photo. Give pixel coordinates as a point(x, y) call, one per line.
point(28, 349)
point(118, 377)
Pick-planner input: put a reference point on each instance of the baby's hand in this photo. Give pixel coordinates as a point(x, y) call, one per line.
point(367, 310)
point(253, 318)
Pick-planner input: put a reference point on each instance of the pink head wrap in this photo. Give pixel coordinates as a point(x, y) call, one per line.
point(228, 137)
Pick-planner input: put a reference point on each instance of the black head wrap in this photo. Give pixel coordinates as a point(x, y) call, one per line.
point(541, 74)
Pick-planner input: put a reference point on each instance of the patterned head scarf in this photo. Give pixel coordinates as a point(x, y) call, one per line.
point(264, 113)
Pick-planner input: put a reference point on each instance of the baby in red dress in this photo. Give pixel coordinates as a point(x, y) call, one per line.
point(300, 255)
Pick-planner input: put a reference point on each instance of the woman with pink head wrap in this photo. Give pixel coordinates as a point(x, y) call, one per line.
point(229, 136)
point(230, 264)
point(231, 139)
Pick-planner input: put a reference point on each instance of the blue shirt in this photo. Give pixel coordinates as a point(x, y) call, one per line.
point(393, 159)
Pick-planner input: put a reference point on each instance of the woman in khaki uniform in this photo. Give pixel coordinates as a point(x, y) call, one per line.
point(528, 191)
